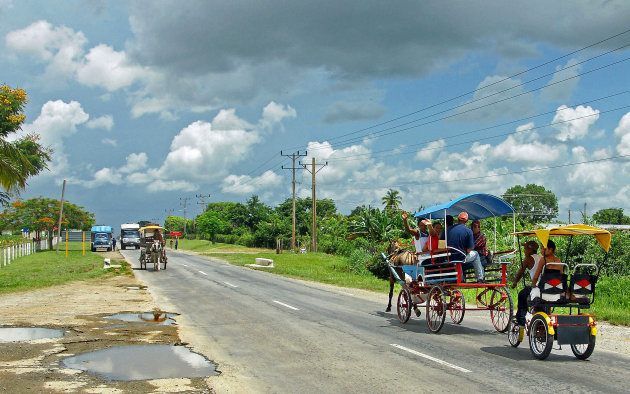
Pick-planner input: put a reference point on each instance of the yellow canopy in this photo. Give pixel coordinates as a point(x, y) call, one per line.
point(151, 228)
point(602, 236)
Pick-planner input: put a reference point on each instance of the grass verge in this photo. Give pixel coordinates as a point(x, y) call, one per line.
point(318, 267)
point(200, 246)
point(47, 268)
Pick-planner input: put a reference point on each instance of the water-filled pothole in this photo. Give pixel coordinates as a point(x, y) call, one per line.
point(143, 362)
point(159, 318)
point(19, 334)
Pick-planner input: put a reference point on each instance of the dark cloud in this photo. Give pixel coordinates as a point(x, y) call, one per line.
point(354, 39)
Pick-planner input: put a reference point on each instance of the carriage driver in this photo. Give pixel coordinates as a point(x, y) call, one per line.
point(421, 235)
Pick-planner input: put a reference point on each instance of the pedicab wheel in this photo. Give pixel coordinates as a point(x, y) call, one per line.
point(404, 306)
point(457, 306)
point(515, 333)
point(436, 308)
point(502, 312)
point(540, 341)
point(584, 350)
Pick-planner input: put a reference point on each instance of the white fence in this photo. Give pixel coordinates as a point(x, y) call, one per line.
point(10, 253)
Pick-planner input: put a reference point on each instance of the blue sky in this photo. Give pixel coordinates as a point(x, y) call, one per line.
point(149, 102)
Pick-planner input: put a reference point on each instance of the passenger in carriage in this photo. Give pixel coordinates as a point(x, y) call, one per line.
point(549, 256)
point(435, 229)
point(531, 264)
point(461, 238)
point(420, 236)
point(480, 242)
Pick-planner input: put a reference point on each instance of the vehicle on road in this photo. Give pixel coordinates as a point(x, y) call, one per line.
point(152, 249)
point(101, 238)
point(572, 325)
point(129, 235)
point(437, 279)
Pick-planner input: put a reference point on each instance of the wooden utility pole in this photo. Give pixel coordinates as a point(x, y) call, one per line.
point(293, 156)
point(185, 200)
point(203, 201)
point(314, 171)
point(63, 193)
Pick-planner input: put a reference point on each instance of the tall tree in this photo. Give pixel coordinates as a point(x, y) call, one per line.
point(611, 216)
point(38, 214)
point(392, 200)
point(22, 158)
point(533, 202)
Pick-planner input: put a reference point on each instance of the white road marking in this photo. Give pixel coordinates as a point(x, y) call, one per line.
point(229, 284)
point(203, 273)
point(437, 360)
point(288, 306)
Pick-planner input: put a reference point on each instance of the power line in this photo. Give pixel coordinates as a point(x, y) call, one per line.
point(495, 175)
point(359, 156)
point(483, 87)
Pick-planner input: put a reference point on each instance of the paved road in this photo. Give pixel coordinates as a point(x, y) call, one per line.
point(282, 335)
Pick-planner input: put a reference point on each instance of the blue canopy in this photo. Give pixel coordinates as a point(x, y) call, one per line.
point(477, 205)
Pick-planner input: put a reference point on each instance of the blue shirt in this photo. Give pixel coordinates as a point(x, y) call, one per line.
point(461, 237)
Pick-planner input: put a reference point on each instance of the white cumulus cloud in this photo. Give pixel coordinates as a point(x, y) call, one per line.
point(575, 122)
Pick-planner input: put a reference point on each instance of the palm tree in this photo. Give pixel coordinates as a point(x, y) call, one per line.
point(375, 226)
point(392, 200)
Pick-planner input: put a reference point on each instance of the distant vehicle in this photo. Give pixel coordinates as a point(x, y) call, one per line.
point(129, 235)
point(101, 238)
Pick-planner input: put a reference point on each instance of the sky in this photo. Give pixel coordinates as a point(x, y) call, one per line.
point(153, 106)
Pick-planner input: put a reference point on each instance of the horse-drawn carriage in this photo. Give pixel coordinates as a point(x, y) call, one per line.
point(152, 249)
point(437, 279)
point(573, 327)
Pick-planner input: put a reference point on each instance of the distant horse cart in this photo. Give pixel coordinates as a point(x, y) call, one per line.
point(152, 249)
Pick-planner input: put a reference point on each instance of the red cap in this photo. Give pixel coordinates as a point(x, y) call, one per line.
point(477, 223)
point(463, 216)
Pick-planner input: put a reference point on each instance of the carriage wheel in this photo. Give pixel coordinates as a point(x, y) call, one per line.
point(584, 350)
point(436, 308)
point(404, 306)
point(515, 333)
point(503, 311)
point(457, 306)
point(540, 342)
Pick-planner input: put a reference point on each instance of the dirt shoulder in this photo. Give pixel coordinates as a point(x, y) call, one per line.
point(79, 309)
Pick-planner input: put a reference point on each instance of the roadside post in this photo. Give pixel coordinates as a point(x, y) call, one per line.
point(83, 242)
point(66, 244)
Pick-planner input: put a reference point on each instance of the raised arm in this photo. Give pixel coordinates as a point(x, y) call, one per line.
point(414, 232)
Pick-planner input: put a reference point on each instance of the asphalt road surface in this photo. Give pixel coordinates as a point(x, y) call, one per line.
point(284, 335)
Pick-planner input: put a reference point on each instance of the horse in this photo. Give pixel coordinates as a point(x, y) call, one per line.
point(156, 254)
point(398, 257)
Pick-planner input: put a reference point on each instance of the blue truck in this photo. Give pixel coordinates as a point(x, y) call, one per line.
point(101, 238)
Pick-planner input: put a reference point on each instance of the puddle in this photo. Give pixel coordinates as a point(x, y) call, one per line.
point(143, 362)
point(159, 318)
point(19, 334)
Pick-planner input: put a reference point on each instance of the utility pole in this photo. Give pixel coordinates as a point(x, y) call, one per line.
point(293, 156)
point(314, 171)
point(203, 201)
point(185, 199)
point(569, 216)
point(63, 193)
point(584, 220)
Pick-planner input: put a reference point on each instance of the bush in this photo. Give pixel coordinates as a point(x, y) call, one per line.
point(378, 266)
point(358, 262)
point(247, 239)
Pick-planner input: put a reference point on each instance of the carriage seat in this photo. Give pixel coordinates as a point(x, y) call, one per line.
point(552, 288)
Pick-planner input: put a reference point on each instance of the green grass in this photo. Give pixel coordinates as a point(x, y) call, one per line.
point(201, 246)
point(318, 267)
point(47, 268)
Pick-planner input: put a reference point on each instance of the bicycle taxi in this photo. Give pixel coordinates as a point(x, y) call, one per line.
point(437, 279)
point(575, 328)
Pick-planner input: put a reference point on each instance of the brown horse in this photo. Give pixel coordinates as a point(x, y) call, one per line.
point(398, 256)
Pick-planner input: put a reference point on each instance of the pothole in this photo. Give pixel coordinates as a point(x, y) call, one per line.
point(159, 318)
point(20, 334)
point(143, 362)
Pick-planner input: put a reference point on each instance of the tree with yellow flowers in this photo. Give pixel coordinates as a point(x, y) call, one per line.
point(22, 158)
